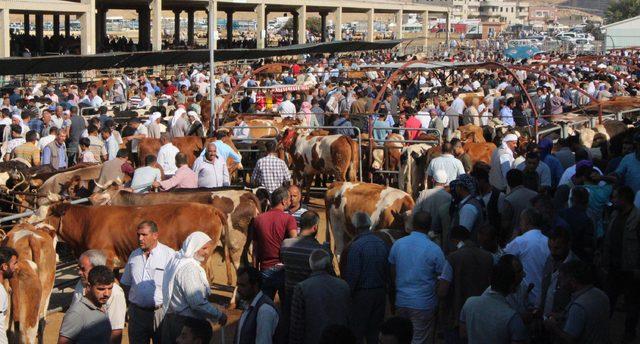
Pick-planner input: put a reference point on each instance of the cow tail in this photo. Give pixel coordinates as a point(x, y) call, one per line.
point(352, 175)
point(227, 247)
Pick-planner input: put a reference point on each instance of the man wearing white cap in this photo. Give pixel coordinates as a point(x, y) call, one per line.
point(446, 162)
point(430, 200)
point(502, 161)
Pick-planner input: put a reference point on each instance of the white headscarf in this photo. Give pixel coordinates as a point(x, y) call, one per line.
point(177, 114)
point(184, 257)
point(152, 119)
point(195, 115)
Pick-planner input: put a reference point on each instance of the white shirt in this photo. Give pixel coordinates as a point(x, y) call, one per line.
point(4, 305)
point(167, 158)
point(190, 292)
point(145, 275)
point(468, 214)
point(267, 321)
point(570, 172)
point(458, 105)
point(532, 250)
point(142, 130)
point(424, 118)
point(287, 109)
point(211, 175)
point(44, 141)
point(242, 131)
point(116, 306)
point(447, 162)
point(144, 175)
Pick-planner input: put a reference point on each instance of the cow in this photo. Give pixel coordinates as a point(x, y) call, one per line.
point(260, 127)
point(112, 229)
point(311, 154)
point(471, 133)
point(388, 208)
point(239, 206)
point(479, 151)
point(59, 182)
point(32, 283)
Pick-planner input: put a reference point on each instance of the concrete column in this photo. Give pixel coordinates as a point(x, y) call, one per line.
point(294, 33)
point(425, 28)
point(448, 33)
point(260, 26)
point(213, 12)
point(370, 15)
point(176, 27)
point(398, 29)
point(190, 27)
point(337, 23)
point(101, 27)
point(302, 24)
point(229, 29)
point(40, 33)
point(27, 25)
point(87, 28)
point(144, 28)
point(266, 20)
point(67, 25)
point(156, 28)
point(5, 37)
point(56, 25)
point(323, 26)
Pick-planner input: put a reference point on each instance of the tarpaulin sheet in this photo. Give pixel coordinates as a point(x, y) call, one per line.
point(75, 63)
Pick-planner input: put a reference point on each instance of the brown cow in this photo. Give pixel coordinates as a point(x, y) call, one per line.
point(471, 133)
point(112, 229)
point(32, 283)
point(479, 151)
point(263, 127)
point(336, 155)
point(239, 206)
point(388, 208)
point(60, 181)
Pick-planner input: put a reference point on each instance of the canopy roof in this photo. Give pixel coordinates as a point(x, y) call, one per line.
point(75, 63)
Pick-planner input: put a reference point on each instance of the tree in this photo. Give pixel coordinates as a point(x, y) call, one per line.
point(621, 10)
point(314, 24)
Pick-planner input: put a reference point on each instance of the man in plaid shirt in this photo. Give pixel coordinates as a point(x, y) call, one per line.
point(270, 172)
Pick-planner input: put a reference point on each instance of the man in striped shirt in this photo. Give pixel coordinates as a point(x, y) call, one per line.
point(296, 209)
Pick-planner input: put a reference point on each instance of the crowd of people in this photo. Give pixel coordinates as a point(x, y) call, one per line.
point(536, 246)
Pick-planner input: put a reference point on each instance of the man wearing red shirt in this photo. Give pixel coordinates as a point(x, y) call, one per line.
point(413, 123)
point(269, 231)
point(170, 89)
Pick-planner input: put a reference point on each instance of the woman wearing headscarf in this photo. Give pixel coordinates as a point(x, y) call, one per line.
point(185, 288)
point(195, 125)
point(307, 116)
point(179, 125)
point(153, 125)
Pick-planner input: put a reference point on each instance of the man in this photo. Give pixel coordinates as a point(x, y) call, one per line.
point(110, 143)
point(141, 132)
point(469, 212)
point(296, 209)
point(185, 288)
point(55, 153)
point(48, 138)
point(418, 262)
point(259, 320)
point(86, 321)
point(533, 164)
point(365, 269)
point(515, 202)
point(532, 248)
point(8, 264)
point(466, 273)
point(29, 150)
point(430, 200)
point(506, 113)
point(318, 302)
point(492, 198)
point(47, 123)
point(582, 229)
point(167, 155)
point(554, 299)
point(96, 146)
point(78, 125)
point(144, 177)
point(436, 122)
point(545, 146)
point(15, 140)
point(211, 169)
point(268, 232)
point(588, 313)
point(270, 172)
point(446, 162)
point(195, 331)
point(111, 171)
point(343, 121)
point(142, 282)
point(179, 124)
point(115, 305)
point(460, 154)
point(502, 162)
point(184, 178)
point(488, 318)
point(287, 109)
point(620, 257)
point(629, 168)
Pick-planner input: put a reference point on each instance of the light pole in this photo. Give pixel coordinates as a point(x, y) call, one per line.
point(212, 65)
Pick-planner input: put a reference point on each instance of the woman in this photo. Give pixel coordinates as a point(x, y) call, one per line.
point(307, 116)
point(195, 127)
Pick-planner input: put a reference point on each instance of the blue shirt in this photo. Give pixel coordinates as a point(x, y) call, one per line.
point(629, 170)
point(367, 266)
point(506, 116)
point(62, 156)
point(380, 134)
point(36, 124)
point(418, 263)
point(555, 167)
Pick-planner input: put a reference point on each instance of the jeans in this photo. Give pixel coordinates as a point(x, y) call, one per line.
point(367, 313)
point(273, 281)
point(422, 321)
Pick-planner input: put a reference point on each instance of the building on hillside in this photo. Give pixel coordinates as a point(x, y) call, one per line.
point(542, 16)
point(622, 34)
point(508, 12)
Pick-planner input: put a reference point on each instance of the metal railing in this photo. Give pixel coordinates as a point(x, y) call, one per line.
point(252, 141)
